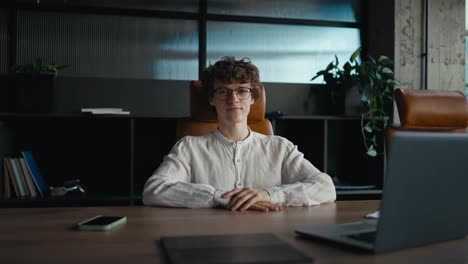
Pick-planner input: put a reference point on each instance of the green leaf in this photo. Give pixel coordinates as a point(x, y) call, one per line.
point(329, 67)
point(368, 127)
point(387, 70)
point(347, 68)
point(371, 151)
point(364, 97)
point(318, 74)
point(355, 54)
point(38, 67)
point(385, 60)
point(378, 76)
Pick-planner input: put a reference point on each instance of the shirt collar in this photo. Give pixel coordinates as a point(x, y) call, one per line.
point(229, 142)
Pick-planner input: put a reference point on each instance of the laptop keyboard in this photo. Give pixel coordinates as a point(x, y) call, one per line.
point(368, 237)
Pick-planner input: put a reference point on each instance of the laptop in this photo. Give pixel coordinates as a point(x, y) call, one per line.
point(424, 197)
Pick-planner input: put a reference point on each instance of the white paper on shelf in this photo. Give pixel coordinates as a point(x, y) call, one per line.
point(111, 113)
point(374, 215)
point(101, 109)
point(105, 111)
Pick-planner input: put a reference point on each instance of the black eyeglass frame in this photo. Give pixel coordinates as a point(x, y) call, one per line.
point(229, 93)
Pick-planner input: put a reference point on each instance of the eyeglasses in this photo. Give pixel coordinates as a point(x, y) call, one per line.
point(241, 93)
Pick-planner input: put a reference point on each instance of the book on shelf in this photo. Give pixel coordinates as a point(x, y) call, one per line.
point(28, 178)
point(105, 111)
point(4, 180)
point(23, 189)
point(7, 191)
point(2, 175)
point(34, 172)
point(21, 177)
point(12, 177)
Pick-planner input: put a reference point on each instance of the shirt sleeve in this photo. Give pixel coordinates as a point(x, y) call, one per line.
point(171, 185)
point(302, 183)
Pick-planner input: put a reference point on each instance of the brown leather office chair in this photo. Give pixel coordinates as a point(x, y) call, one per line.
point(203, 118)
point(429, 110)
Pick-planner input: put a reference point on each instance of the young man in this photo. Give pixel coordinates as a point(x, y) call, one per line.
point(234, 167)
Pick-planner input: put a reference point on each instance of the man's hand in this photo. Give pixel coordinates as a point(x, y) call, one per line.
point(245, 198)
point(265, 207)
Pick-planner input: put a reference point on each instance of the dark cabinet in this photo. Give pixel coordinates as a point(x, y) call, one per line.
point(334, 145)
point(113, 156)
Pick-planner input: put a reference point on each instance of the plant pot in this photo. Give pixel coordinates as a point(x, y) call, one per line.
point(33, 93)
point(337, 102)
point(352, 102)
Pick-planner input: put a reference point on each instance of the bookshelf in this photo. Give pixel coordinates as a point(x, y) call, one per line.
point(114, 155)
point(111, 155)
point(334, 145)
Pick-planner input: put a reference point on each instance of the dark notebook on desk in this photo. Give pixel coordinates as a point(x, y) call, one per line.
point(424, 198)
point(233, 249)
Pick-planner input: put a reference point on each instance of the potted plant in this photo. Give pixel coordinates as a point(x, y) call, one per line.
point(377, 82)
point(375, 79)
point(339, 80)
point(33, 86)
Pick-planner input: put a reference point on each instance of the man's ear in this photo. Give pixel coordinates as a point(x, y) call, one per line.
point(253, 102)
point(210, 100)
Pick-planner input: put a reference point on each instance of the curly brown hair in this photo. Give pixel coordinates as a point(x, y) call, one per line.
point(229, 69)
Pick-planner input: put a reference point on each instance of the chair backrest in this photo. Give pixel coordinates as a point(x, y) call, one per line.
point(429, 110)
point(203, 118)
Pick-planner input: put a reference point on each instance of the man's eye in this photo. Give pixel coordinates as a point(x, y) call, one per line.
point(221, 92)
point(243, 91)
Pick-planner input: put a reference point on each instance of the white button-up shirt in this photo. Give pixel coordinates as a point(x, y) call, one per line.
point(199, 170)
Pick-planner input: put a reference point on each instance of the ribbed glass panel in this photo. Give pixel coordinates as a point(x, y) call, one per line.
point(329, 10)
point(283, 53)
point(163, 5)
point(110, 46)
point(4, 41)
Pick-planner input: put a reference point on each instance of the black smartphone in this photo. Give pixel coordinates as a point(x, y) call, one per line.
point(101, 223)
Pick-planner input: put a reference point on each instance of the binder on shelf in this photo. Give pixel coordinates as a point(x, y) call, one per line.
point(28, 178)
point(34, 171)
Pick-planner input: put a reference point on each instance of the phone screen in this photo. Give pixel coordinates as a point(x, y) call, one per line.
point(102, 220)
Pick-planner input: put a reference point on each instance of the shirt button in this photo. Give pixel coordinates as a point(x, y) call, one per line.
point(238, 161)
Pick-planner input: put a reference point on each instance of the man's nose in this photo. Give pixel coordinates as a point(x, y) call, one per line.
point(231, 94)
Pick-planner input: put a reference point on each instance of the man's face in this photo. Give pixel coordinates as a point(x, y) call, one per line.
point(232, 107)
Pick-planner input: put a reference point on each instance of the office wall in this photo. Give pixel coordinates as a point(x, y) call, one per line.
point(4, 41)
point(103, 84)
point(380, 28)
point(162, 98)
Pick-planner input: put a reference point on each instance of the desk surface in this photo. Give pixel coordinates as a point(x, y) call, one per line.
point(45, 235)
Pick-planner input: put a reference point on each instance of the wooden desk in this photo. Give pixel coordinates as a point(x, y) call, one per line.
point(44, 235)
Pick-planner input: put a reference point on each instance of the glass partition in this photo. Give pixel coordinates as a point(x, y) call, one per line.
point(283, 53)
point(328, 10)
point(110, 46)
